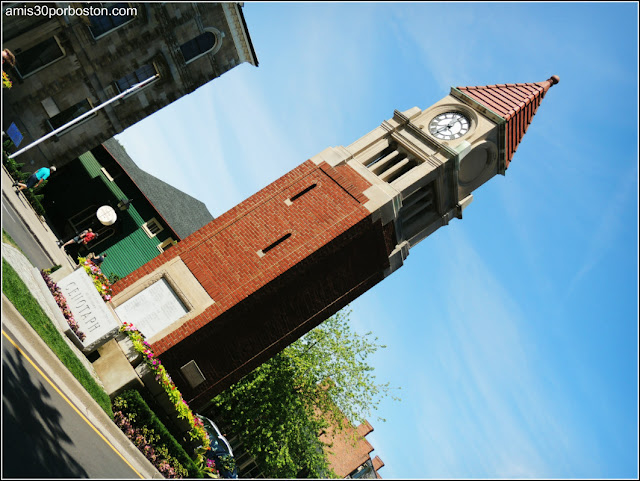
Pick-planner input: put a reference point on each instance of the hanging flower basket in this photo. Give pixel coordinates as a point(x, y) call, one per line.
point(6, 81)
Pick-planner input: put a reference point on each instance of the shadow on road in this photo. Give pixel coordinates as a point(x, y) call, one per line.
point(33, 440)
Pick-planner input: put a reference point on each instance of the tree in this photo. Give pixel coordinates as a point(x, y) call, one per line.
point(282, 407)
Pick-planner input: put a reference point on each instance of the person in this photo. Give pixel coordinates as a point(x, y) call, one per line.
point(36, 178)
point(97, 260)
point(7, 56)
point(84, 237)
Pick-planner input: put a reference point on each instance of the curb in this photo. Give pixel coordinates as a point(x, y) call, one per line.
point(28, 227)
point(26, 224)
point(74, 391)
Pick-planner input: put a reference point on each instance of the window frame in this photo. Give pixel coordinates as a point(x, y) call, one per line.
point(153, 67)
point(107, 32)
point(69, 129)
point(217, 44)
point(62, 50)
point(162, 247)
point(148, 231)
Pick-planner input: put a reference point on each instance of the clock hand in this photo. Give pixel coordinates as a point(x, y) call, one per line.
point(447, 127)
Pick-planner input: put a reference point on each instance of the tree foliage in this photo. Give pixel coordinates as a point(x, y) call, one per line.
point(321, 380)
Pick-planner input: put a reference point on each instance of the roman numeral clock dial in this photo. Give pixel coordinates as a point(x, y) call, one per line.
point(449, 126)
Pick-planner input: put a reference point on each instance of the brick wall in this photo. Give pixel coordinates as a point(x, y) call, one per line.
point(349, 448)
point(330, 252)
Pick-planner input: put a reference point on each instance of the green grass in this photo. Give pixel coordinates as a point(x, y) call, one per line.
point(6, 238)
point(19, 295)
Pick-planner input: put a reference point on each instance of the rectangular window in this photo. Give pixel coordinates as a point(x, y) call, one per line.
point(152, 227)
point(166, 244)
point(139, 75)
point(38, 57)
point(103, 24)
point(71, 113)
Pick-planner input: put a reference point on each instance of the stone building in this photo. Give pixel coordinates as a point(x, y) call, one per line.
point(349, 454)
point(72, 57)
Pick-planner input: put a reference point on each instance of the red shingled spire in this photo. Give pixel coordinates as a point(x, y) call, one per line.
point(515, 103)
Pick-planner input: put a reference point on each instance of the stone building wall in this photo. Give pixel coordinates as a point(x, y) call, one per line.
point(91, 65)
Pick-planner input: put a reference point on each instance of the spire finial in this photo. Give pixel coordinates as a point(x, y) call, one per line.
point(554, 79)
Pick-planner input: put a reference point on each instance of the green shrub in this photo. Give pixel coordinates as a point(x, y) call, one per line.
point(113, 278)
point(142, 417)
point(165, 419)
point(52, 269)
point(15, 170)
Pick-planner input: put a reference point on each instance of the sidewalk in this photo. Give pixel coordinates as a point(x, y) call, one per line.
point(38, 228)
point(36, 348)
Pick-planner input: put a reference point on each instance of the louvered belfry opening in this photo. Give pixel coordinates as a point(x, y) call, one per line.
point(392, 163)
point(418, 211)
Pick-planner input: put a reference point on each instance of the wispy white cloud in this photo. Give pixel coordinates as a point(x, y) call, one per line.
point(181, 144)
point(486, 409)
point(484, 394)
point(599, 242)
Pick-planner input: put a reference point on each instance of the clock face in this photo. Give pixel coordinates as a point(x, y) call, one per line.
point(449, 126)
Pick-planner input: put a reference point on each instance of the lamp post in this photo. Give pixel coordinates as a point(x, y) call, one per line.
point(83, 116)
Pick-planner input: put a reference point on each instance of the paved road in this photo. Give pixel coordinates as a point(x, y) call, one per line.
point(12, 223)
point(44, 434)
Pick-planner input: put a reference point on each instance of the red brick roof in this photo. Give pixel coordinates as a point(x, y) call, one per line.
point(515, 103)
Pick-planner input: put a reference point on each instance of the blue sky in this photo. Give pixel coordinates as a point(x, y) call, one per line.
point(513, 333)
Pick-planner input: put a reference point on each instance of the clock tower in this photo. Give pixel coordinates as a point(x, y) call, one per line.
point(246, 285)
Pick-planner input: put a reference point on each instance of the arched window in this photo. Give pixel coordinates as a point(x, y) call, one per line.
point(198, 46)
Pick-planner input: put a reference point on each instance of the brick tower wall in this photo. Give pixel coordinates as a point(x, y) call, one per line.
point(334, 253)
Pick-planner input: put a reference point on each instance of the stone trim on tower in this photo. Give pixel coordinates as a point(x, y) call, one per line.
point(293, 254)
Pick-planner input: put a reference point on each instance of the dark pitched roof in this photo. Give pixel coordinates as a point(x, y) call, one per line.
point(185, 214)
point(515, 103)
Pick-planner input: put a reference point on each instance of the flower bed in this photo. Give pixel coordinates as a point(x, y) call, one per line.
point(197, 432)
point(134, 418)
point(99, 279)
point(62, 303)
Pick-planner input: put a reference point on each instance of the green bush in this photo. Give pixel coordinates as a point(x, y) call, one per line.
point(113, 278)
point(15, 170)
point(52, 269)
point(14, 167)
point(35, 199)
point(165, 419)
point(142, 417)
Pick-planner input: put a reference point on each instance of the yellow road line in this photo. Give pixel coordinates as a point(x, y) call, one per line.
point(71, 404)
